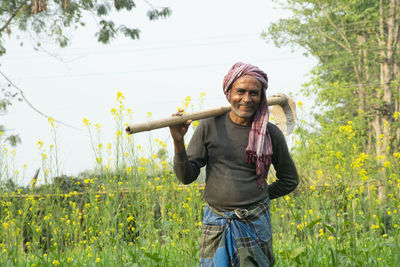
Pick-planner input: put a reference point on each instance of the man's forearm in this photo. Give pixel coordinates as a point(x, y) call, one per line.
point(281, 188)
point(185, 171)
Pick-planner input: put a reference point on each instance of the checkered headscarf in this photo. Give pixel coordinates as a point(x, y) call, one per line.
point(259, 148)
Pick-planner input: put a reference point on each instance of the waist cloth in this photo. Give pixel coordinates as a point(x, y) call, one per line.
point(241, 237)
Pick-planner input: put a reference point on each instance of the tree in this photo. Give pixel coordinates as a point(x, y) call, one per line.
point(5, 101)
point(356, 43)
point(51, 18)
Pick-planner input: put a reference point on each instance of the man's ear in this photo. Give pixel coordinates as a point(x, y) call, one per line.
point(229, 95)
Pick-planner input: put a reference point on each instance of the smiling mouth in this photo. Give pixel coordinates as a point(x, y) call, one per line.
point(246, 107)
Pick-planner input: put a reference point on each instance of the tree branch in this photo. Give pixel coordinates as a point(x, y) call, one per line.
point(11, 18)
point(339, 31)
point(334, 40)
point(31, 106)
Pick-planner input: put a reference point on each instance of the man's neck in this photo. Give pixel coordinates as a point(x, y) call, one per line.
point(239, 120)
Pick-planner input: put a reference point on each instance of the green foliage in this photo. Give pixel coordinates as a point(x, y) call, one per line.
point(358, 67)
point(156, 14)
point(6, 98)
point(53, 18)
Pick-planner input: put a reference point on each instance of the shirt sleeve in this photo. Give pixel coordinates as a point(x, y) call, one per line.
point(187, 163)
point(286, 173)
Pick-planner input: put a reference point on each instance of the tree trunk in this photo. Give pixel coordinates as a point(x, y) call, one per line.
point(362, 64)
point(397, 97)
point(388, 40)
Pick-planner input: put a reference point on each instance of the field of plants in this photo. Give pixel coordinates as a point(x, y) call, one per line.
point(132, 211)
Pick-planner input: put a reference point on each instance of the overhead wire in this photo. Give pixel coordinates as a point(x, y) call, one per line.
point(178, 45)
point(184, 67)
point(118, 49)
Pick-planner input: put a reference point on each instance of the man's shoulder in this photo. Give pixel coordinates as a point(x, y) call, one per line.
point(274, 132)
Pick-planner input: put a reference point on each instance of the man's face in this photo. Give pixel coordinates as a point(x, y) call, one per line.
point(245, 97)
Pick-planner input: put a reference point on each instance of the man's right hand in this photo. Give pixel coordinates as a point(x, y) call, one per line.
point(178, 132)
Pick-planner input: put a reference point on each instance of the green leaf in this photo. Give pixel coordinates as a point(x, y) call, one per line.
point(330, 228)
point(333, 256)
point(311, 225)
point(153, 256)
point(297, 252)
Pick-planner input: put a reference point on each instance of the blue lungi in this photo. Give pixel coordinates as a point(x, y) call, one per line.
point(242, 237)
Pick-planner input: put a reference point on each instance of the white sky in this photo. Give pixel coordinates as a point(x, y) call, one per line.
point(183, 55)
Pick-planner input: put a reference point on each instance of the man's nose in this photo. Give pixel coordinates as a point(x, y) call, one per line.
point(247, 98)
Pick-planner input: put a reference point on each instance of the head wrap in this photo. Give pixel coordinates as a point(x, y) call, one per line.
point(259, 147)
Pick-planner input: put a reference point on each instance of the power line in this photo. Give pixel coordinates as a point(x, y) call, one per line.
point(118, 50)
point(151, 69)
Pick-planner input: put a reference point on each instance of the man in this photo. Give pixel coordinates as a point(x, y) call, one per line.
point(237, 149)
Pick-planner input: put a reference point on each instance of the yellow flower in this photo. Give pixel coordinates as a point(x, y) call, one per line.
point(51, 121)
point(114, 112)
point(98, 260)
point(86, 122)
point(202, 96)
point(396, 115)
point(39, 144)
point(321, 232)
point(299, 104)
point(347, 130)
point(120, 96)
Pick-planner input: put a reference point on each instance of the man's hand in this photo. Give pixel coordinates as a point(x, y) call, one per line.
point(178, 132)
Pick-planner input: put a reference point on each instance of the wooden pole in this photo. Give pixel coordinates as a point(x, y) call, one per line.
point(281, 100)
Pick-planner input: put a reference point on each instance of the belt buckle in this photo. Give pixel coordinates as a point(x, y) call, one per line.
point(241, 213)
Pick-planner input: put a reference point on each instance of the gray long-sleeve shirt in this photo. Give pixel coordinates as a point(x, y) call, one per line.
point(231, 183)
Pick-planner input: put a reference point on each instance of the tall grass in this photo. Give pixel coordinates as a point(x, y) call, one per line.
point(131, 210)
